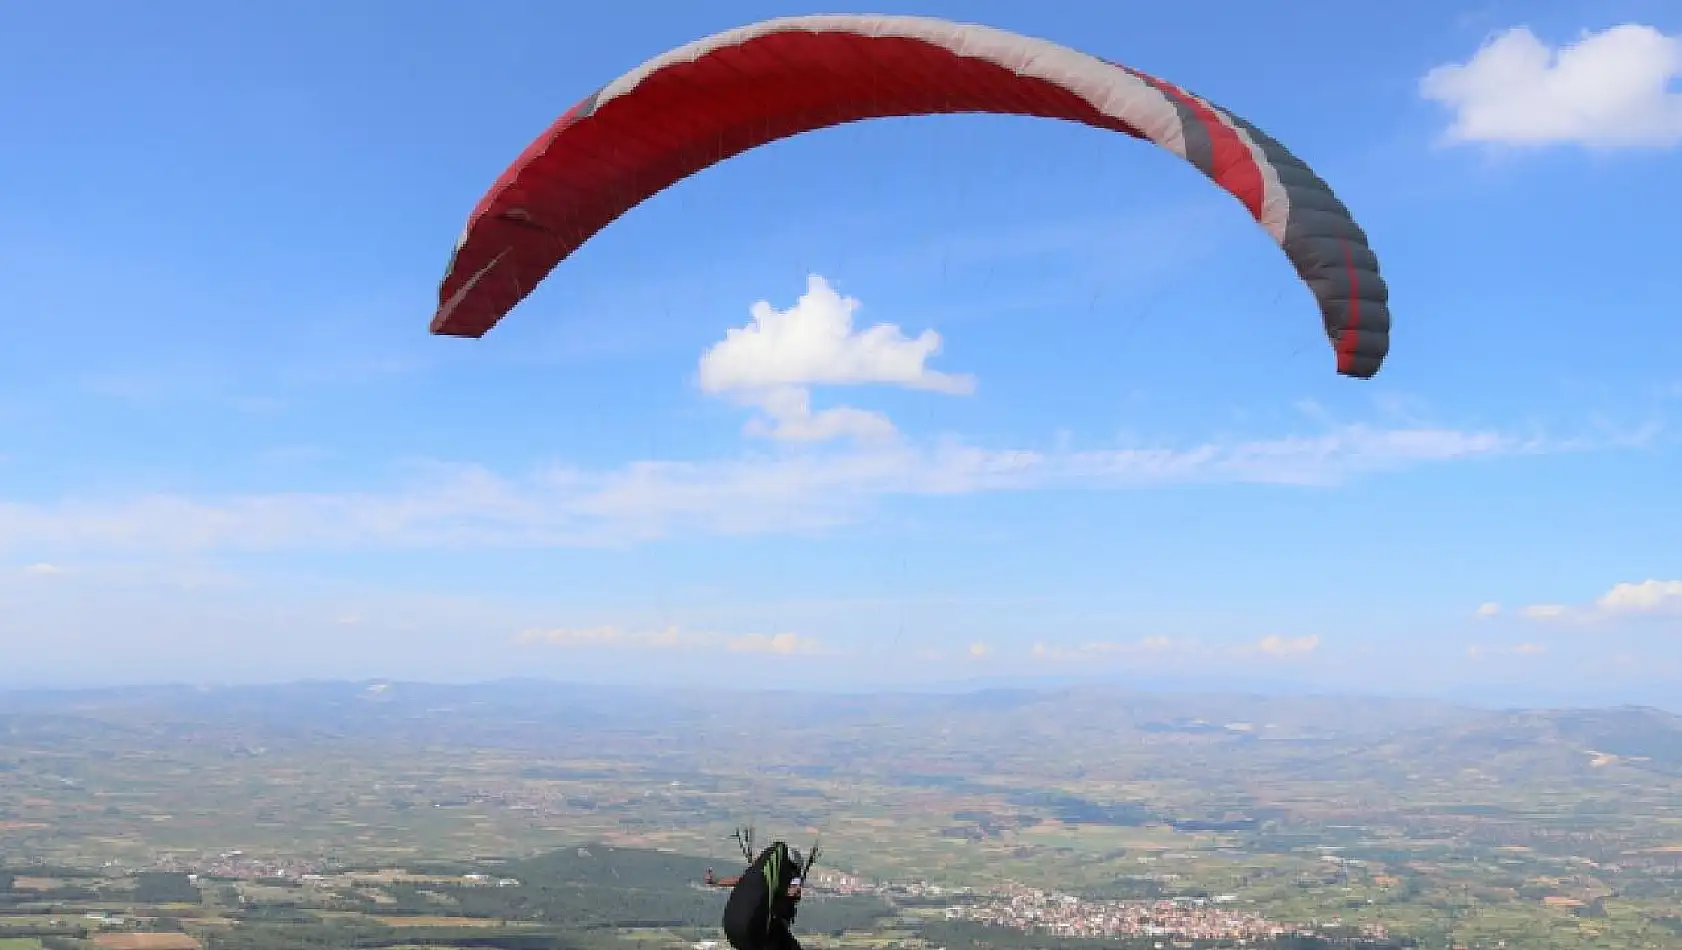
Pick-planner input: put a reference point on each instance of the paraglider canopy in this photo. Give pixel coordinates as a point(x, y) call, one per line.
point(716, 97)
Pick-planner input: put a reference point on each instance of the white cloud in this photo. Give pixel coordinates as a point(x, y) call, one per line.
point(1489, 609)
point(43, 569)
point(468, 506)
point(1625, 600)
point(813, 342)
point(604, 636)
point(670, 638)
point(1609, 89)
point(1649, 596)
point(1479, 652)
point(772, 362)
point(1276, 645)
point(1096, 649)
point(1170, 648)
point(784, 644)
point(975, 652)
point(791, 419)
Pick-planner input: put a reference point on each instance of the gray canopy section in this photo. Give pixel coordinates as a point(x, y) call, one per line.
point(1319, 235)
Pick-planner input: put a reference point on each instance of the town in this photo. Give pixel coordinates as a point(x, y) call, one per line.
point(1034, 910)
point(1064, 915)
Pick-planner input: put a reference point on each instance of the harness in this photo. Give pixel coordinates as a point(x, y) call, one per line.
point(774, 870)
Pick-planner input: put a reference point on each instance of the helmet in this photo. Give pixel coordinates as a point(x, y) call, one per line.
point(794, 855)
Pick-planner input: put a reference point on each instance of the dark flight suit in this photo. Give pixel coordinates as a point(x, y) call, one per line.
point(753, 922)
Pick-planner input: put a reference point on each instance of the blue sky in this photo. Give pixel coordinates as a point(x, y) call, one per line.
point(230, 450)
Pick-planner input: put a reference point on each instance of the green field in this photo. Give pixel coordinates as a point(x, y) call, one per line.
point(1545, 829)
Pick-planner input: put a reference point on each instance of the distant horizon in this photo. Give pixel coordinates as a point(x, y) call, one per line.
point(1518, 698)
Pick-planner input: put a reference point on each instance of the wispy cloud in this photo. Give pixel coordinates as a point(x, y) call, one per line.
point(1615, 88)
point(1645, 597)
point(670, 638)
point(1276, 645)
point(1478, 651)
point(788, 417)
point(976, 652)
point(1100, 649)
point(1624, 601)
point(43, 569)
point(470, 506)
point(1162, 647)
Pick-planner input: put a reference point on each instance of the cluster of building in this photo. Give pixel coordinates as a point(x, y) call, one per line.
point(237, 865)
point(1032, 910)
point(1067, 916)
point(838, 882)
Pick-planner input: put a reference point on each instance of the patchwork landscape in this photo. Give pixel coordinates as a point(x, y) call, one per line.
point(539, 815)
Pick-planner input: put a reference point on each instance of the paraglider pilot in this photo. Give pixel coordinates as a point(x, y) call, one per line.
point(764, 899)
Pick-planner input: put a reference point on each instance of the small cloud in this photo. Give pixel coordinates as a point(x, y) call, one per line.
point(771, 363)
point(670, 638)
point(1624, 600)
point(1168, 647)
point(1152, 644)
point(1276, 645)
point(791, 419)
point(573, 636)
point(1479, 652)
point(1488, 610)
point(43, 569)
point(1609, 89)
point(1649, 596)
point(1103, 648)
point(783, 643)
point(973, 652)
point(813, 342)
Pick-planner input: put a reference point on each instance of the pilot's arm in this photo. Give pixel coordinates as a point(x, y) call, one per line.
point(711, 881)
